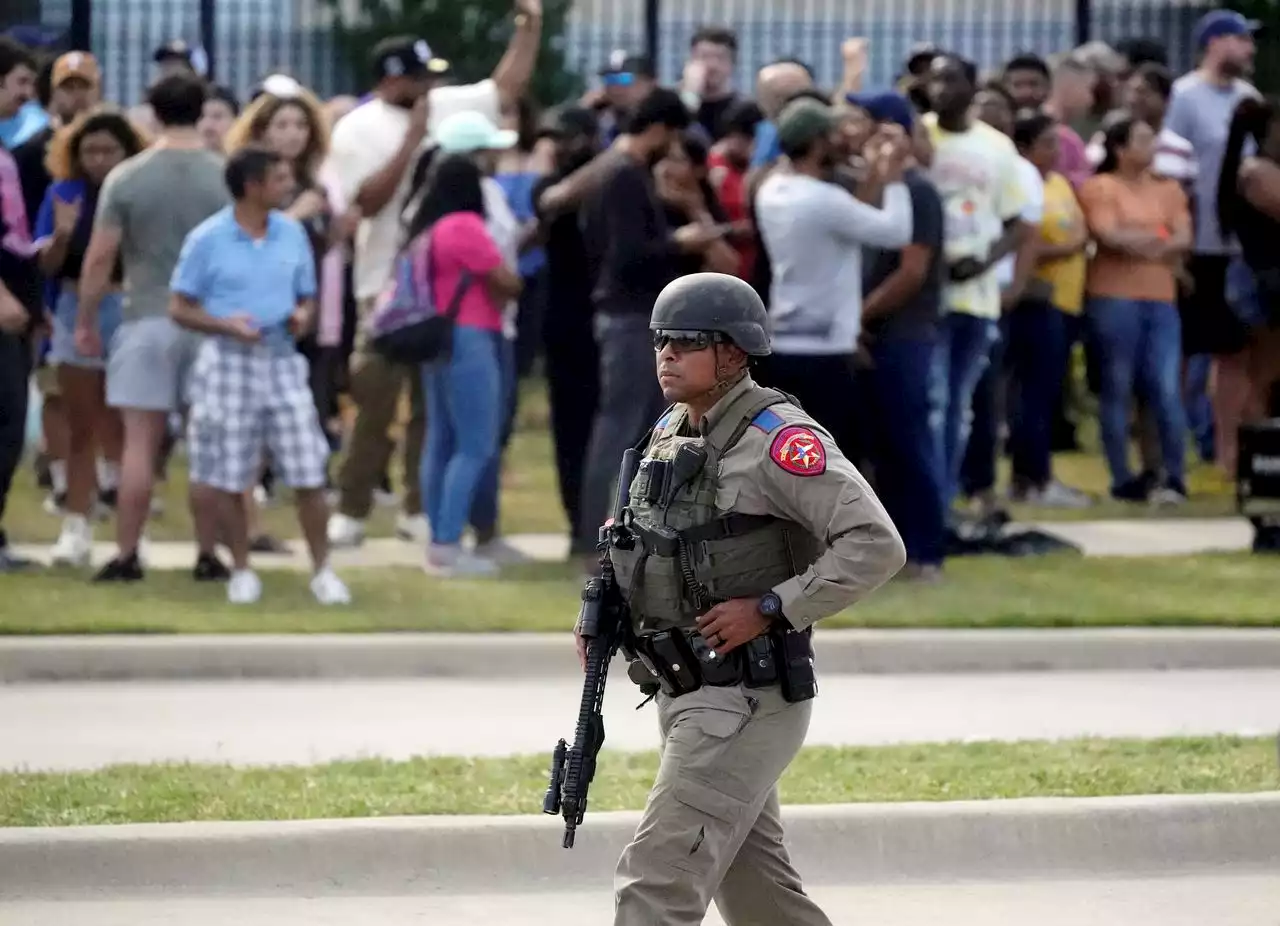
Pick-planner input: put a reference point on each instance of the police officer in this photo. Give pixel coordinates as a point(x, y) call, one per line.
point(749, 526)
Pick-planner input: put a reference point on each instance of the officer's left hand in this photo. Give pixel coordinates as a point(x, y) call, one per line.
point(733, 623)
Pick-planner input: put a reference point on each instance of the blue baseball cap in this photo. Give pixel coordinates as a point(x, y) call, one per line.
point(885, 107)
point(1219, 23)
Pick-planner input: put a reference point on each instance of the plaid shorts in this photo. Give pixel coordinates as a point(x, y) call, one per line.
point(245, 397)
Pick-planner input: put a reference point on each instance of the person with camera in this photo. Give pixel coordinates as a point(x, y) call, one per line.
point(814, 232)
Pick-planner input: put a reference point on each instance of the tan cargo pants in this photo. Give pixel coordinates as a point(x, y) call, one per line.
point(712, 827)
point(376, 387)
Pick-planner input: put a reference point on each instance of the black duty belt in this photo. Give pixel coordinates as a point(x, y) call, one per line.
point(681, 662)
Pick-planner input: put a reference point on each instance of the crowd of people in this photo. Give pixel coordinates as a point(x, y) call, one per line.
point(201, 270)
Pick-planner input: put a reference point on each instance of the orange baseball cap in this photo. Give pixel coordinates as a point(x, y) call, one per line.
point(73, 65)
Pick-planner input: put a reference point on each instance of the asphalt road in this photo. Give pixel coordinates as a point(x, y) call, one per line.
point(69, 726)
point(1195, 900)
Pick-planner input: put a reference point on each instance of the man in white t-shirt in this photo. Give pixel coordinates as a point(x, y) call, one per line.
point(373, 154)
point(975, 169)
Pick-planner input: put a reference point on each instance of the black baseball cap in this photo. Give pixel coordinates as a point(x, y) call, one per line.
point(406, 56)
point(568, 122)
point(180, 50)
point(173, 50)
point(622, 61)
point(920, 56)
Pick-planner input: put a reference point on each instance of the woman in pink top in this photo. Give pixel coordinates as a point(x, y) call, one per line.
point(452, 247)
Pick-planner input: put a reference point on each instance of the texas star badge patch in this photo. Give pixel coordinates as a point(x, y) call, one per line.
point(799, 451)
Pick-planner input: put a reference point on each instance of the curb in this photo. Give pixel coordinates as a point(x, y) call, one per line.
point(523, 655)
point(843, 844)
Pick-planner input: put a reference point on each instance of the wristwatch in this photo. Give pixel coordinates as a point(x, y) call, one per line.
point(770, 605)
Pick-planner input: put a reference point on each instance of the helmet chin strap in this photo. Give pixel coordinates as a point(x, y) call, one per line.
point(728, 375)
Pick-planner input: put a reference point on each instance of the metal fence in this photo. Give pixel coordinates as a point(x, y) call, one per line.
point(988, 31)
point(253, 37)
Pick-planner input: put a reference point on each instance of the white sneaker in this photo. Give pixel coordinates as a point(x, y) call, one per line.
point(450, 562)
point(413, 527)
point(329, 589)
point(344, 531)
point(1057, 495)
point(244, 588)
point(501, 553)
point(75, 543)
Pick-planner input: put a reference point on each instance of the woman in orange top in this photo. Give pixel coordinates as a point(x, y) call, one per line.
point(1142, 228)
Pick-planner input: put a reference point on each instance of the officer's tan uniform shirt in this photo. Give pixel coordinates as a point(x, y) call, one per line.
point(788, 466)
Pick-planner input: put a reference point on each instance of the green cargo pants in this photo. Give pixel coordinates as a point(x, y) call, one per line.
point(376, 387)
point(712, 827)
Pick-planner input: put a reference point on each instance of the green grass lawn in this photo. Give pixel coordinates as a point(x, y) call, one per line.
point(1051, 591)
point(377, 788)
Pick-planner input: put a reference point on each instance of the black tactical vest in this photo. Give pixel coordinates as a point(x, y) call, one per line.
point(689, 555)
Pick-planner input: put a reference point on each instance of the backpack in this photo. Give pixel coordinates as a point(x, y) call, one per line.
point(406, 326)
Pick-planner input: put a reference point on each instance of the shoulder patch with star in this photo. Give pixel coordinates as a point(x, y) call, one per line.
point(799, 451)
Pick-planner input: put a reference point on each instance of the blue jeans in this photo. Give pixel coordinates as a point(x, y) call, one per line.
point(1037, 359)
point(464, 412)
point(905, 448)
point(484, 507)
point(1198, 405)
point(63, 348)
point(630, 402)
point(1139, 343)
point(961, 357)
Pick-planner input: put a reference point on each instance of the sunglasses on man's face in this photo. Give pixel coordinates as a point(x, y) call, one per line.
point(685, 341)
point(619, 80)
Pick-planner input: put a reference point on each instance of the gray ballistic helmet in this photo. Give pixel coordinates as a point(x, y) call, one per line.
point(714, 302)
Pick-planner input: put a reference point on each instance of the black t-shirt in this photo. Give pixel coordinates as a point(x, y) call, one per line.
point(569, 282)
point(78, 244)
point(628, 242)
point(29, 156)
point(711, 114)
point(919, 316)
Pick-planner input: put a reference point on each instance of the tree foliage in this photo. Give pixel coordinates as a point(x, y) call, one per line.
point(470, 34)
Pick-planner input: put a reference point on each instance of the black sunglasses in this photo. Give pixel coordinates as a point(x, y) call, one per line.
point(683, 341)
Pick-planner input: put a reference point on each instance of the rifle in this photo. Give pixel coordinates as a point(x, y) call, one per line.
point(603, 623)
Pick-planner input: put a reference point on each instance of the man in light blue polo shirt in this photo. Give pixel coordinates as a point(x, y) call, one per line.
point(246, 277)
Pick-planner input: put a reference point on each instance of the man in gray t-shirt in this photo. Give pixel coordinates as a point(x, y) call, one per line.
point(1200, 111)
point(152, 202)
point(147, 206)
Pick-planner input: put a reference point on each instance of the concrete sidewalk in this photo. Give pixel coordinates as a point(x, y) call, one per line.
point(836, 844)
point(89, 725)
point(1218, 897)
point(529, 655)
point(1150, 537)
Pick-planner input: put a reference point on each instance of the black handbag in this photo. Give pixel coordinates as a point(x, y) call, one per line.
point(429, 339)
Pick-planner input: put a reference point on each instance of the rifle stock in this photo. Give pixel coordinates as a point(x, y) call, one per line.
point(602, 622)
